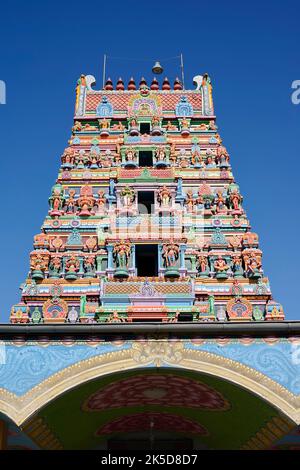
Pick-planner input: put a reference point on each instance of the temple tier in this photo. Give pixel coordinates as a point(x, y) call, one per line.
point(145, 222)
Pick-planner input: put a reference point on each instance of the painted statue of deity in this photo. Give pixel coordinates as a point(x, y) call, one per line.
point(170, 126)
point(93, 159)
point(185, 123)
point(71, 203)
point(104, 123)
point(133, 122)
point(86, 201)
point(89, 266)
point(221, 268)
point(38, 264)
point(121, 254)
point(170, 254)
point(199, 199)
point(237, 266)
point(220, 202)
point(101, 201)
point(72, 267)
point(54, 267)
point(68, 157)
point(196, 158)
point(118, 127)
point(164, 196)
point(203, 265)
point(212, 126)
point(235, 200)
point(133, 126)
point(127, 196)
point(222, 157)
point(130, 155)
point(160, 154)
point(56, 200)
point(190, 201)
point(210, 162)
point(253, 265)
point(77, 126)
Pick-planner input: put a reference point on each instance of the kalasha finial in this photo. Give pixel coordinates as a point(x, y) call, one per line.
point(108, 85)
point(120, 84)
point(143, 82)
point(131, 84)
point(166, 84)
point(154, 84)
point(177, 84)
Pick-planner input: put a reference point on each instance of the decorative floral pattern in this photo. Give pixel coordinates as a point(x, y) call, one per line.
point(156, 421)
point(165, 390)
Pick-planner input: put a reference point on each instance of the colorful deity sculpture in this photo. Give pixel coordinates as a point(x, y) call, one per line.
point(253, 265)
point(71, 202)
point(38, 264)
point(234, 199)
point(56, 200)
point(101, 201)
point(164, 196)
point(54, 267)
point(196, 157)
point(127, 196)
point(160, 154)
point(221, 268)
point(133, 126)
point(89, 266)
point(203, 265)
point(86, 201)
point(220, 202)
point(237, 266)
point(131, 155)
point(222, 157)
point(190, 201)
point(121, 255)
point(72, 268)
point(170, 254)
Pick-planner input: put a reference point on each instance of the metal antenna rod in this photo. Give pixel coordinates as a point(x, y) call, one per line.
point(182, 71)
point(104, 71)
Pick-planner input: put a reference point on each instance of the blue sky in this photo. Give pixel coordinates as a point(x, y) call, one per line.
point(251, 51)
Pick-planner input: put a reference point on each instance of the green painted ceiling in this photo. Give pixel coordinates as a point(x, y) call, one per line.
point(76, 426)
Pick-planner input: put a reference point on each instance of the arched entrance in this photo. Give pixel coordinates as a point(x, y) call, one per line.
point(157, 408)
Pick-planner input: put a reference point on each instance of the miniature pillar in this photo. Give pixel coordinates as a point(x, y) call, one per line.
point(182, 256)
point(110, 257)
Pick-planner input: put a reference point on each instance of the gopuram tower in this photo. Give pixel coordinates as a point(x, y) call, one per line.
point(145, 221)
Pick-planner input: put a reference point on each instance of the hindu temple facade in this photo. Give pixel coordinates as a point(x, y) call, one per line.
point(146, 220)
